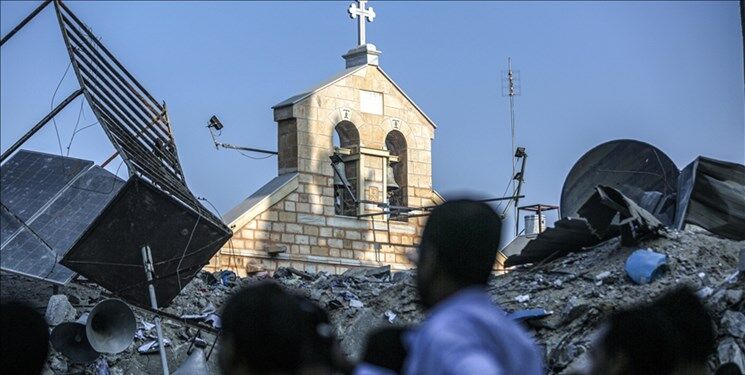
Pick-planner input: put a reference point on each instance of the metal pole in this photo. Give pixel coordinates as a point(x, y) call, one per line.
point(517, 192)
point(228, 145)
point(39, 125)
point(540, 227)
point(147, 259)
point(24, 22)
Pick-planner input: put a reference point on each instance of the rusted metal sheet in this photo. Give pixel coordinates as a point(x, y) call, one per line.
point(711, 194)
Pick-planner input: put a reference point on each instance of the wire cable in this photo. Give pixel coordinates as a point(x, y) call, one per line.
point(230, 241)
point(77, 123)
point(254, 157)
point(51, 107)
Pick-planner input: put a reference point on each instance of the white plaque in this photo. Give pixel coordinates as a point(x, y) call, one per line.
point(371, 102)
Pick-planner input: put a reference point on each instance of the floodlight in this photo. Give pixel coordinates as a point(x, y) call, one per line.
point(215, 123)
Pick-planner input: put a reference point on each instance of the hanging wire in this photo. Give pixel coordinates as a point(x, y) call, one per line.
point(230, 241)
point(183, 255)
point(51, 107)
point(254, 157)
point(77, 123)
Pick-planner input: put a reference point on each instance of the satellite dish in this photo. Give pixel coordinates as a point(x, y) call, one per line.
point(639, 170)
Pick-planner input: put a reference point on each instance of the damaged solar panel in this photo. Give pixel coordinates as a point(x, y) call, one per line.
point(48, 202)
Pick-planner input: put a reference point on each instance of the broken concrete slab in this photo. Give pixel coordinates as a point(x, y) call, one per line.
point(733, 324)
point(633, 222)
point(366, 272)
point(597, 224)
point(729, 351)
point(59, 310)
point(565, 236)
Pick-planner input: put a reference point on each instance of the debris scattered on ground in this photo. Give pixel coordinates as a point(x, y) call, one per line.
point(561, 302)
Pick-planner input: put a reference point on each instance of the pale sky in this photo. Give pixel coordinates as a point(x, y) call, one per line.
point(668, 73)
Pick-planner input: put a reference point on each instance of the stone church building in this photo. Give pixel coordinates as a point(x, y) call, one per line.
point(365, 214)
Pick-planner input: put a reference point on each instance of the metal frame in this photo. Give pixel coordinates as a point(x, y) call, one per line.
point(539, 209)
point(24, 22)
point(39, 125)
point(135, 123)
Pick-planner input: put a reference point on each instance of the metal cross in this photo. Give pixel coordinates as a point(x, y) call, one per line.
point(364, 14)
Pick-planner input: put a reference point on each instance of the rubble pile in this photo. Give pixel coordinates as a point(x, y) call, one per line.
point(581, 289)
point(571, 295)
point(568, 299)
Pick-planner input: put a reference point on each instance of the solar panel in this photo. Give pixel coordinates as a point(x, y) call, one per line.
point(48, 202)
point(31, 179)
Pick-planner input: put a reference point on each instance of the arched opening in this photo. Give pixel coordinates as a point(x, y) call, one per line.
point(395, 142)
point(345, 135)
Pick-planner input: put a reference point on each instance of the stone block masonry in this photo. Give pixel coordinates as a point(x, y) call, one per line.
point(302, 229)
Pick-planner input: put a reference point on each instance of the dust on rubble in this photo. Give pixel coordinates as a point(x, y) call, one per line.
point(579, 290)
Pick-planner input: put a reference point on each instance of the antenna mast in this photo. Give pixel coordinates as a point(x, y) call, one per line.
point(511, 92)
point(511, 88)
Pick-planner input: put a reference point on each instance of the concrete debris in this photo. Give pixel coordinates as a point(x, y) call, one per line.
point(58, 365)
point(152, 346)
point(208, 315)
point(733, 296)
point(101, 367)
point(730, 351)
point(733, 324)
point(633, 223)
point(597, 223)
point(566, 286)
point(59, 310)
point(390, 315)
point(522, 315)
point(573, 309)
point(602, 276)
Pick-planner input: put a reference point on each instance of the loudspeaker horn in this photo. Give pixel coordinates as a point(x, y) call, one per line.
point(70, 339)
point(111, 326)
point(194, 365)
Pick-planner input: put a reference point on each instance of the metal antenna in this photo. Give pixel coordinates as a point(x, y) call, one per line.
point(511, 88)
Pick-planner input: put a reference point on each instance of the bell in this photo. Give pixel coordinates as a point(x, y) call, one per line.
point(340, 178)
point(392, 185)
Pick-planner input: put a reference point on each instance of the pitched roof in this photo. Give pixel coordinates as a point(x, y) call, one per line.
point(347, 72)
point(269, 194)
point(337, 77)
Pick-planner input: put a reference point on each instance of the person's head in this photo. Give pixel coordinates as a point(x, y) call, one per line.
point(729, 368)
point(25, 339)
point(672, 335)
point(267, 330)
point(385, 348)
point(458, 249)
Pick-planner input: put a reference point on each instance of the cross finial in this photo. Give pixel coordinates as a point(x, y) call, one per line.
point(365, 15)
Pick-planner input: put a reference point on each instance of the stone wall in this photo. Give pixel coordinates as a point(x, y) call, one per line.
point(316, 242)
